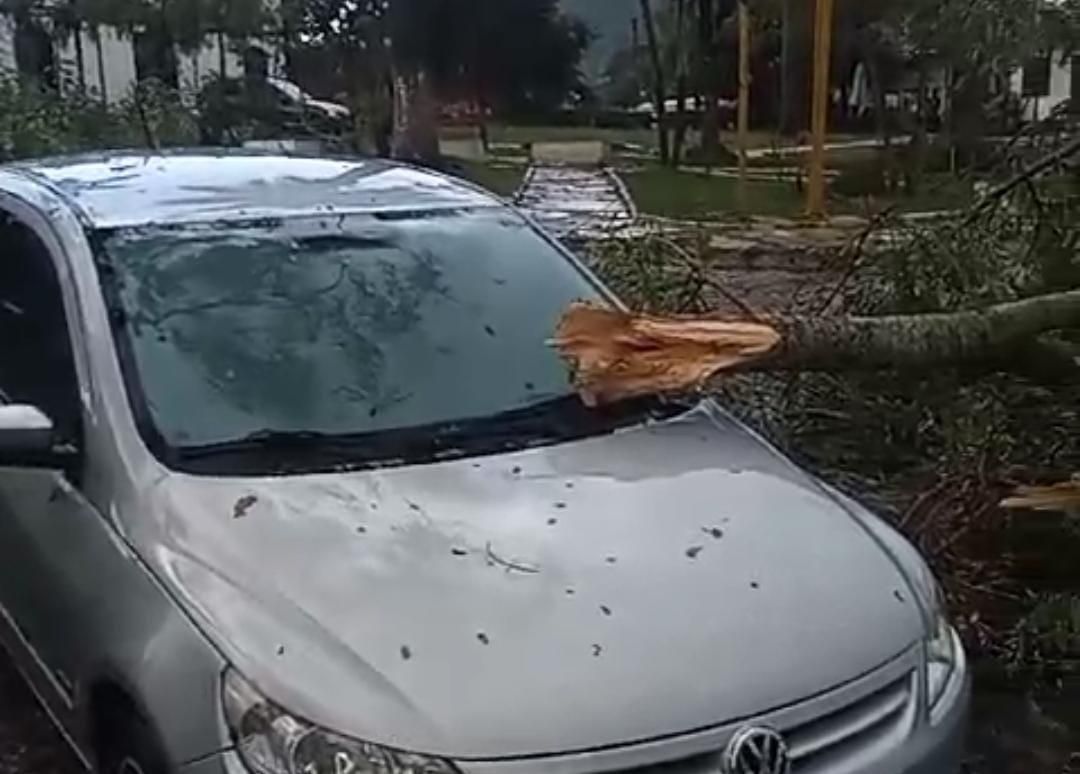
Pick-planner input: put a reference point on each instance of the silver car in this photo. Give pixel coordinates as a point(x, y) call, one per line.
point(291, 482)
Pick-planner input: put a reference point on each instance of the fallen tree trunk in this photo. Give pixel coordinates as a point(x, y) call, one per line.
point(921, 340)
point(616, 354)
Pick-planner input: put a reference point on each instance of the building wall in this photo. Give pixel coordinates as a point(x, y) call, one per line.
point(7, 45)
point(1037, 108)
point(117, 56)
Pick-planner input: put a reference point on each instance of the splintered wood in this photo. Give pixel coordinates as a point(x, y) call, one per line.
point(616, 355)
point(1058, 497)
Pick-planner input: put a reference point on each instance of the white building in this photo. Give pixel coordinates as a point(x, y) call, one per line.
point(109, 63)
point(1046, 82)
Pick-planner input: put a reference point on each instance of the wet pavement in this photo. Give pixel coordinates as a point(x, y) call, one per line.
point(576, 202)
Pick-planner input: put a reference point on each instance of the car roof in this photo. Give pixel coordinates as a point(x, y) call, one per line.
point(131, 188)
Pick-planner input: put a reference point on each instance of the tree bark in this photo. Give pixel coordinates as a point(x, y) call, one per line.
point(709, 80)
point(682, 85)
point(616, 354)
point(101, 66)
point(920, 341)
point(795, 67)
point(659, 87)
point(416, 133)
point(80, 57)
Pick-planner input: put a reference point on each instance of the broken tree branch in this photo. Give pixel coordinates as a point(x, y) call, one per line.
point(616, 354)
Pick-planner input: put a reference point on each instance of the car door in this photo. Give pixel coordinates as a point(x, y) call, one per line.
point(45, 520)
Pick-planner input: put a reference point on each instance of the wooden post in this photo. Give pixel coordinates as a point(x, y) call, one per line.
point(744, 98)
point(815, 193)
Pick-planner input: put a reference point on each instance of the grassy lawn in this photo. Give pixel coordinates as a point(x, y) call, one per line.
point(501, 179)
point(691, 196)
point(501, 133)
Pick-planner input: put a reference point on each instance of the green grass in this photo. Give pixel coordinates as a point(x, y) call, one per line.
point(692, 196)
point(500, 179)
point(686, 195)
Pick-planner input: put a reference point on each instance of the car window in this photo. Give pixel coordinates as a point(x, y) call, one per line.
point(339, 326)
point(36, 362)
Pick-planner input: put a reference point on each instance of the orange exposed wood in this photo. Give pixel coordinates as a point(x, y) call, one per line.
point(1058, 497)
point(615, 354)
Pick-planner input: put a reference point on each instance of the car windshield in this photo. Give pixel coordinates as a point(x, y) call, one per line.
point(329, 328)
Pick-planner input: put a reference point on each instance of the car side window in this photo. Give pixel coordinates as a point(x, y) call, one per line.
point(37, 366)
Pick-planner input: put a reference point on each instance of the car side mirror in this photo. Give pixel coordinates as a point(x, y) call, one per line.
point(28, 439)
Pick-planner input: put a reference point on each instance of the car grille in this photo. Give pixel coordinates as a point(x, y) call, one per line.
point(857, 733)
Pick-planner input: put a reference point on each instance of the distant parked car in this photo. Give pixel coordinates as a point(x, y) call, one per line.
point(234, 109)
point(292, 482)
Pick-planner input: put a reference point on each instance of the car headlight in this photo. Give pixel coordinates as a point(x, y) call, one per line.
point(940, 649)
point(271, 741)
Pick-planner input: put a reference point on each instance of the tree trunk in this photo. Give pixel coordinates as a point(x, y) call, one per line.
point(923, 340)
point(709, 80)
point(659, 87)
point(416, 132)
point(616, 354)
point(682, 85)
point(222, 60)
point(101, 66)
point(80, 57)
point(795, 67)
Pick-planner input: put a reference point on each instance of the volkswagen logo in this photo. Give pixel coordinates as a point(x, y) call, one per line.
point(756, 750)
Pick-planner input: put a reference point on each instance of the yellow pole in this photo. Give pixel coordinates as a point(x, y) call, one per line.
point(815, 194)
point(744, 97)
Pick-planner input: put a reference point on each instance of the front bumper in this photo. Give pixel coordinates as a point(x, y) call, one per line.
point(932, 746)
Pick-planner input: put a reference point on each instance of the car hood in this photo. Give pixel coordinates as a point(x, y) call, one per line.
point(657, 580)
point(332, 109)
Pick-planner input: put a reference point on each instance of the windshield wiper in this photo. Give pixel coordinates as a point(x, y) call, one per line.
point(561, 418)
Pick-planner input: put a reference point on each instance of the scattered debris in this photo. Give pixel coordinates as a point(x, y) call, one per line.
point(243, 505)
point(552, 522)
point(898, 594)
point(483, 638)
point(509, 566)
point(605, 609)
point(693, 551)
point(611, 559)
point(714, 532)
point(755, 585)
point(406, 652)
point(281, 650)
point(362, 530)
point(459, 551)
point(570, 592)
point(413, 506)
point(516, 470)
point(560, 506)
point(596, 650)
